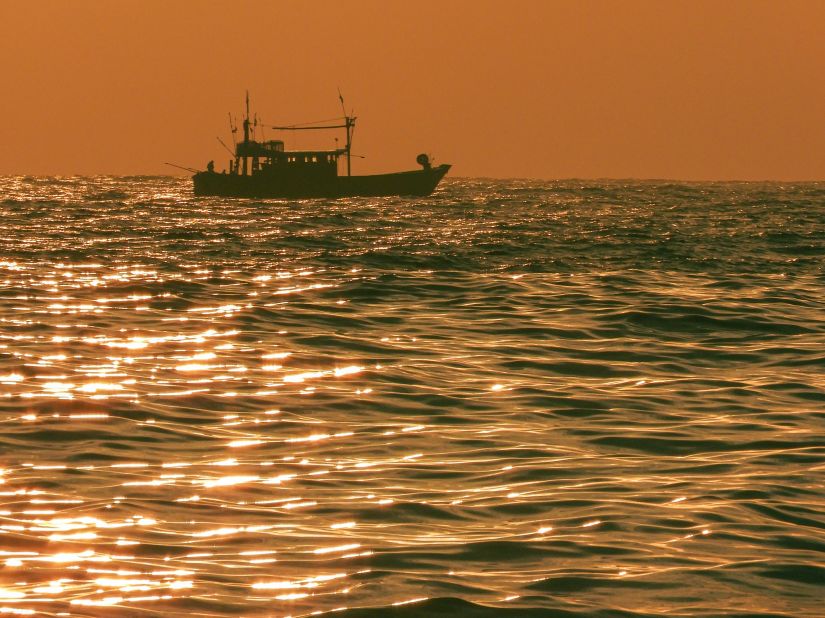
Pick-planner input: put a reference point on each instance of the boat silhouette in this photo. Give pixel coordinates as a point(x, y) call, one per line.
point(265, 169)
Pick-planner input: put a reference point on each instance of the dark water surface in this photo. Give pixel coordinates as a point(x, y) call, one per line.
point(509, 399)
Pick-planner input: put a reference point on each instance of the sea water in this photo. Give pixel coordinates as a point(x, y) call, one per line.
point(511, 398)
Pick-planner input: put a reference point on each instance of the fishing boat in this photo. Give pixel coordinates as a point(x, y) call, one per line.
point(264, 169)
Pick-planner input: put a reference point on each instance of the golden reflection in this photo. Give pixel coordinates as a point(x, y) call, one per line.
point(299, 505)
point(134, 344)
point(336, 548)
point(277, 355)
point(99, 386)
point(292, 596)
point(196, 367)
point(211, 496)
point(307, 375)
point(103, 602)
point(407, 602)
point(225, 531)
point(308, 582)
point(54, 587)
point(242, 443)
point(346, 371)
point(226, 481)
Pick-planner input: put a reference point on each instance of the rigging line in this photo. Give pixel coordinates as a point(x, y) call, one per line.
point(301, 124)
point(225, 146)
point(324, 120)
point(300, 128)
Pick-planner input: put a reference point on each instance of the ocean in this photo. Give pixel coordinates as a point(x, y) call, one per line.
point(512, 398)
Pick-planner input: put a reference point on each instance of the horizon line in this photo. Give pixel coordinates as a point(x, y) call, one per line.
point(499, 178)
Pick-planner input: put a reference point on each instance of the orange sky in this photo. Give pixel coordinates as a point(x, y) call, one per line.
point(544, 89)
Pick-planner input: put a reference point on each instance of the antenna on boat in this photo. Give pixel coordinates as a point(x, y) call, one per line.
point(350, 134)
point(349, 123)
point(263, 128)
point(233, 129)
point(246, 120)
point(246, 133)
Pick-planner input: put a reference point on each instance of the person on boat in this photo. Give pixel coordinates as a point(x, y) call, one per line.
point(210, 167)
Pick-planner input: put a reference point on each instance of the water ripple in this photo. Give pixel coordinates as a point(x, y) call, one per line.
point(508, 399)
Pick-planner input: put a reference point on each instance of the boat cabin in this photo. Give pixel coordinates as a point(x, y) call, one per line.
point(269, 158)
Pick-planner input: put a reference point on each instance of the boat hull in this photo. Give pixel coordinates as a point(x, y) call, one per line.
point(415, 183)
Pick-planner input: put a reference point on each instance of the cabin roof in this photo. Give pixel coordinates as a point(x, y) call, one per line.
point(253, 147)
point(313, 152)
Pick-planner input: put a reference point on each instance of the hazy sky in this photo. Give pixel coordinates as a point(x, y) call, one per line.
point(659, 89)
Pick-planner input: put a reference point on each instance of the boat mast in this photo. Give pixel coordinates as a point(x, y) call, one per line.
point(348, 122)
point(246, 133)
point(349, 144)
